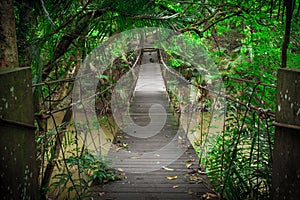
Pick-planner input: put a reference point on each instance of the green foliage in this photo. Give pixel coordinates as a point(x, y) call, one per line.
point(85, 170)
point(76, 171)
point(239, 165)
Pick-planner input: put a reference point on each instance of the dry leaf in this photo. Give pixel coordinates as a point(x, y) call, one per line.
point(209, 195)
point(190, 160)
point(176, 186)
point(118, 149)
point(168, 169)
point(190, 192)
point(101, 193)
point(134, 157)
point(188, 165)
point(171, 177)
point(201, 172)
point(120, 170)
point(196, 178)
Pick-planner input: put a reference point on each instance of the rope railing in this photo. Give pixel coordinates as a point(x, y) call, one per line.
point(73, 78)
point(249, 81)
point(49, 112)
point(53, 82)
point(261, 111)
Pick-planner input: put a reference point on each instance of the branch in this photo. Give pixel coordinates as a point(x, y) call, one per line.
point(67, 40)
point(222, 19)
point(199, 33)
point(70, 20)
point(151, 17)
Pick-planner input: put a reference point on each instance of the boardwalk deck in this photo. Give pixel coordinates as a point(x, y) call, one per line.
point(146, 177)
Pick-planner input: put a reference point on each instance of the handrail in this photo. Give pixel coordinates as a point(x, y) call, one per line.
point(48, 113)
point(73, 78)
point(249, 81)
point(176, 74)
point(136, 63)
point(261, 111)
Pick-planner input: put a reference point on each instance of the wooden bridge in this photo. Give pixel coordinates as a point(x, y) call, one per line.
point(152, 165)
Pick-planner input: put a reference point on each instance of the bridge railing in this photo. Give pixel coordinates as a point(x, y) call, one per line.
point(238, 160)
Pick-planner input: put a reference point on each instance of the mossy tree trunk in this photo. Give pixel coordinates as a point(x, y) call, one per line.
point(8, 39)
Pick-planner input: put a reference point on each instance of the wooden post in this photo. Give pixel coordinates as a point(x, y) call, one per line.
point(286, 157)
point(18, 168)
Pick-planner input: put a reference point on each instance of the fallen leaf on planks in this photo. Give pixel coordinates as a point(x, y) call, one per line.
point(209, 195)
point(120, 170)
point(190, 191)
point(134, 157)
point(168, 169)
point(190, 160)
point(188, 165)
point(171, 177)
point(101, 194)
point(201, 172)
point(175, 186)
point(194, 178)
point(118, 149)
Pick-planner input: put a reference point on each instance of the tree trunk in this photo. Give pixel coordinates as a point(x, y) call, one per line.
point(286, 42)
point(26, 19)
point(8, 39)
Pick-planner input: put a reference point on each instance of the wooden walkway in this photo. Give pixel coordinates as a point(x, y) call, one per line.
point(158, 162)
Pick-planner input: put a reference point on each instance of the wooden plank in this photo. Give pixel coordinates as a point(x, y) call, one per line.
point(147, 196)
point(18, 169)
point(286, 156)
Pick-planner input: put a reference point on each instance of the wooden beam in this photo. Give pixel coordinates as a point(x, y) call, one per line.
point(18, 168)
point(286, 159)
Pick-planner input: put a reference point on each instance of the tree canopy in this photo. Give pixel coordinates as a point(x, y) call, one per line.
point(51, 31)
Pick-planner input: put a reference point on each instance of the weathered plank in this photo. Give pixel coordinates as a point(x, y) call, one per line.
point(18, 169)
point(286, 156)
